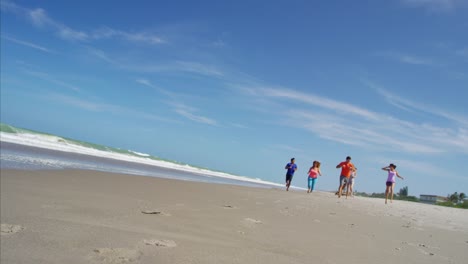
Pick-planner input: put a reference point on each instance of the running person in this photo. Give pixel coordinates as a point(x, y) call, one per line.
point(346, 167)
point(314, 171)
point(291, 167)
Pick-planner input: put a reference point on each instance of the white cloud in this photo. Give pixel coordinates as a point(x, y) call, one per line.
point(412, 105)
point(145, 82)
point(39, 18)
point(95, 106)
point(435, 6)
point(198, 68)
point(106, 33)
point(188, 112)
point(414, 60)
point(319, 101)
point(54, 80)
point(405, 58)
point(352, 125)
point(28, 44)
point(237, 125)
point(177, 67)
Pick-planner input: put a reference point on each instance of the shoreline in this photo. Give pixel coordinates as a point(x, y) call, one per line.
point(78, 216)
point(125, 163)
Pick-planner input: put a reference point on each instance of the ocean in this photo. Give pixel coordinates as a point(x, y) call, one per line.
point(32, 150)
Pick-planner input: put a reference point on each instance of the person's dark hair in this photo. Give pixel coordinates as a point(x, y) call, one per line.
point(348, 158)
point(392, 165)
point(292, 159)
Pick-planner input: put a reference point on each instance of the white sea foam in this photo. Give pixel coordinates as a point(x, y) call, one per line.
point(60, 144)
point(140, 154)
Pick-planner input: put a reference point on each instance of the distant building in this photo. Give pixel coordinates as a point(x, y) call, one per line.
point(432, 199)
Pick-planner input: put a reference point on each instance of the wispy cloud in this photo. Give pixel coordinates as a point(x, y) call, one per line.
point(103, 56)
point(199, 68)
point(107, 33)
point(406, 58)
point(41, 19)
point(28, 44)
point(177, 67)
point(414, 60)
point(189, 113)
point(179, 107)
point(352, 125)
point(409, 105)
point(330, 104)
point(148, 83)
point(237, 125)
point(435, 6)
point(96, 106)
point(54, 80)
point(145, 82)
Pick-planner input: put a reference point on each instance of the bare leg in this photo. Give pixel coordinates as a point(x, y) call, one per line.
point(347, 190)
point(391, 191)
point(386, 194)
point(340, 190)
point(287, 185)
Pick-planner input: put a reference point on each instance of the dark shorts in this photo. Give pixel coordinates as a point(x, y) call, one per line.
point(289, 177)
point(389, 183)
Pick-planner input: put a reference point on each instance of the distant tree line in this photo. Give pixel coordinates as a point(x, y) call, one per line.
point(456, 200)
point(453, 200)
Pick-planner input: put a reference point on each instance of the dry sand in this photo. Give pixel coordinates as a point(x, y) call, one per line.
point(95, 217)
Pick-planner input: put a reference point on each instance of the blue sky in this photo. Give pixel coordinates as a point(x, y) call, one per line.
point(243, 86)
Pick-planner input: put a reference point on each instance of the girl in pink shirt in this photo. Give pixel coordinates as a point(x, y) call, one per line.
point(314, 171)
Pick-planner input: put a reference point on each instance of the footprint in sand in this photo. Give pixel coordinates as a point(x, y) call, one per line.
point(160, 243)
point(421, 248)
point(155, 212)
point(407, 225)
point(115, 255)
point(7, 229)
point(228, 206)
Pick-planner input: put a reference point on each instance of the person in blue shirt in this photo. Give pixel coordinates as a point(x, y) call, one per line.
point(291, 167)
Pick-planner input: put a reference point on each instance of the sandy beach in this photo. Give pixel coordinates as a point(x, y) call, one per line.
point(94, 217)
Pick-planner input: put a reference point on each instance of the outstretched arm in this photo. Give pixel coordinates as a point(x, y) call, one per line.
point(338, 166)
point(319, 172)
point(398, 175)
point(386, 168)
